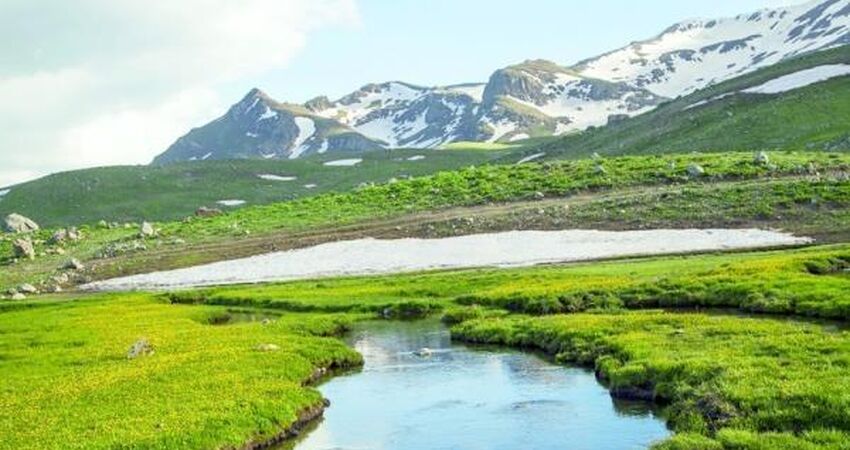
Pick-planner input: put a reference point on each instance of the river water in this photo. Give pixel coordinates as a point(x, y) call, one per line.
point(471, 398)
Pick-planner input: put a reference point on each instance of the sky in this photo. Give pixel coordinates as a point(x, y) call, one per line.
point(106, 82)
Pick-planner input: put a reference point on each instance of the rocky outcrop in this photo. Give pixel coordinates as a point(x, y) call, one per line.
point(16, 223)
point(23, 249)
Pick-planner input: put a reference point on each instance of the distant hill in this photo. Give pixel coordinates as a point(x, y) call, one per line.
point(135, 193)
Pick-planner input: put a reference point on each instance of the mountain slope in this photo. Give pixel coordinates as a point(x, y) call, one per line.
point(694, 54)
point(533, 99)
point(259, 127)
point(799, 104)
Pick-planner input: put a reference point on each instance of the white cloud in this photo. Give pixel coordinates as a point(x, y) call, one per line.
point(95, 82)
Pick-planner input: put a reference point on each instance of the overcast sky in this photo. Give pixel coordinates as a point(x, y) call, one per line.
point(100, 82)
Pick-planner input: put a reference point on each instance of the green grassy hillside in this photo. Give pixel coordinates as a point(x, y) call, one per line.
point(814, 118)
point(131, 194)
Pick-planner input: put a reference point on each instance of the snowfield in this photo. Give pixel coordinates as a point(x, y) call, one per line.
point(801, 79)
point(344, 162)
point(306, 130)
point(508, 249)
point(231, 202)
point(530, 158)
point(270, 177)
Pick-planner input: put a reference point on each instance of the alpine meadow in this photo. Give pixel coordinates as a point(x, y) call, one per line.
point(648, 248)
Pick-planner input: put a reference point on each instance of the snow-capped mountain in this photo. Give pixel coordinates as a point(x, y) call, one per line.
point(259, 127)
point(535, 98)
point(694, 54)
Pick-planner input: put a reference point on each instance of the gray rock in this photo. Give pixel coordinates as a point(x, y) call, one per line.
point(27, 288)
point(761, 159)
point(423, 352)
point(23, 249)
point(140, 348)
point(695, 170)
point(18, 296)
point(16, 223)
point(74, 264)
point(147, 230)
point(59, 236)
point(203, 211)
point(599, 169)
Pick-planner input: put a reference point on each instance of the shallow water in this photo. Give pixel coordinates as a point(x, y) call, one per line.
point(469, 398)
point(507, 249)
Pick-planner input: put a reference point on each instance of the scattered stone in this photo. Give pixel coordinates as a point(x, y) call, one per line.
point(178, 241)
point(18, 296)
point(266, 321)
point(16, 223)
point(59, 251)
point(695, 170)
point(146, 230)
point(102, 224)
point(423, 352)
point(539, 195)
point(23, 249)
point(27, 288)
point(74, 234)
point(61, 278)
point(761, 159)
point(596, 156)
point(58, 237)
point(599, 170)
point(141, 348)
point(267, 348)
point(203, 211)
point(74, 264)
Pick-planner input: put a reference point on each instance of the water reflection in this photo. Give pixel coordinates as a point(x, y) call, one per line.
point(469, 398)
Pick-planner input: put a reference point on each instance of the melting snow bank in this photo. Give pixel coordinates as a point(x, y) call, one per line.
point(344, 162)
point(271, 177)
point(508, 249)
point(4, 192)
point(800, 79)
point(231, 202)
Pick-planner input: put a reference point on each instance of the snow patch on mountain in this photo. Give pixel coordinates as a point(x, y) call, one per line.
point(306, 130)
point(698, 53)
point(801, 79)
point(344, 162)
point(271, 177)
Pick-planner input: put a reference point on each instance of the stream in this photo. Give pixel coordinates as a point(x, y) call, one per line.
point(462, 397)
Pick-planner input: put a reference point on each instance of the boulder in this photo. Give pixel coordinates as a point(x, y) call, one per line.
point(203, 211)
point(23, 249)
point(16, 223)
point(18, 296)
point(695, 170)
point(74, 234)
point(27, 288)
point(140, 348)
point(761, 159)
point(146, 230)
point(74, 264)
point(423, 352)
point(59, 237)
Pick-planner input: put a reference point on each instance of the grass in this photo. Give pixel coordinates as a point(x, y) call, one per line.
point(812, 282)
point(659, 193)
point(163, 193)
point(67, 382)
point(730, 380)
